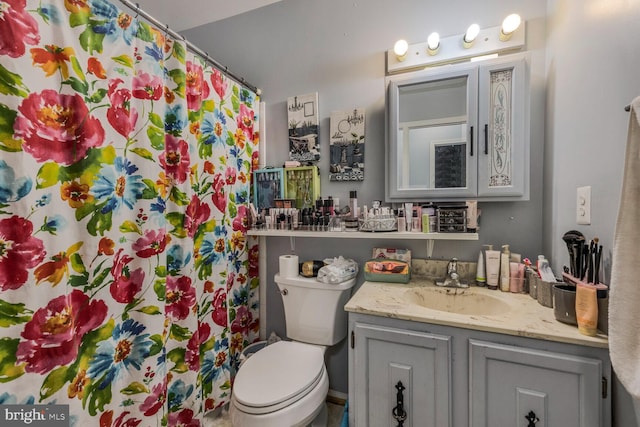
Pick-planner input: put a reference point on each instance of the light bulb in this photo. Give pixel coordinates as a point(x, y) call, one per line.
point(400, 49)
point(470, 35)
point(433, 43)
point(509, 25)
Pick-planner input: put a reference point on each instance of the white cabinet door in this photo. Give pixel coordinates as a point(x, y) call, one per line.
point(520, 387)
point(503, 154)
point(385, 357)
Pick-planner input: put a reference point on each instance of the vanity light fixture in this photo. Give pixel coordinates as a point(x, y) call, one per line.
point(509, 25)
point(400, 49)
point(475, 43)
point(433, 43)
point(470, 36)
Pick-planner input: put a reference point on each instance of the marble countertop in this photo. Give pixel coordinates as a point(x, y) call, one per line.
point(516, 314)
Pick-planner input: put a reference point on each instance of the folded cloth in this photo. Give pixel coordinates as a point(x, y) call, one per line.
point(624, 294)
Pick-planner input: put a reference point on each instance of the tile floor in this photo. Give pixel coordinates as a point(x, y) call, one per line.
point(221, 419)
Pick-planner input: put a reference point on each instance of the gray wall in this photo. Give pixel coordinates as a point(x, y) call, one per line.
point(592, 73)
point(584, 70)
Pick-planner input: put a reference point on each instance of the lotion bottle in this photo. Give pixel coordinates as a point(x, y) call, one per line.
point(481, 272)
point(492, 264)
point(505, 259)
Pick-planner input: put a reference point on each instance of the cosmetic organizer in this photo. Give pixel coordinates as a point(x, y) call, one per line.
point(268, 186)
point(302, 184)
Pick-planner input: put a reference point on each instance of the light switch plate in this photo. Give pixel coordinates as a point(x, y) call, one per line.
point(583, 205)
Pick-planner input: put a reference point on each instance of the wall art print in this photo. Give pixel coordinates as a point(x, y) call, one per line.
point(128, 286)
point(346, 144)
point(302, 113)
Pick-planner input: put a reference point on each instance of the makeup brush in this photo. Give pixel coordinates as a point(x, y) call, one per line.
point(596, 262)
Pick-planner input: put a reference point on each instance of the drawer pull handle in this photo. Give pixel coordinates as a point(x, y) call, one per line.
point(531, 417)
point(399, 414)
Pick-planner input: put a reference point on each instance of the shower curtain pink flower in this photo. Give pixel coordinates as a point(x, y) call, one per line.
point(127, 284)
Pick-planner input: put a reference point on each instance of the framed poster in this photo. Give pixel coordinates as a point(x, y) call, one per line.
point(302, 113)
point(346, 145)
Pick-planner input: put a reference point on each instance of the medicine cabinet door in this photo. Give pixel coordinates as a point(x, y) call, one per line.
point(503, 165)
point(430, 149)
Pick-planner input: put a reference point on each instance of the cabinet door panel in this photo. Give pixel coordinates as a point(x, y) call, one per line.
point(504, 142)
point(509, 383)
point(421, 361)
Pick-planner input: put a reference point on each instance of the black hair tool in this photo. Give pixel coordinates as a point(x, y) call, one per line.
point(574, 240)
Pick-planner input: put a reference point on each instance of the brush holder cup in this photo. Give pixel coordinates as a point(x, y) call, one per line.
point(564, 309)
point(565, 304)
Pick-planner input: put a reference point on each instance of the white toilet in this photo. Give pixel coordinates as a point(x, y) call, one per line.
point(286, 383)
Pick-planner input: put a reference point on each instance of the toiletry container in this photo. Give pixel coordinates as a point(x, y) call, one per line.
point(286, 383)
point(481, 273)
point(505, 258)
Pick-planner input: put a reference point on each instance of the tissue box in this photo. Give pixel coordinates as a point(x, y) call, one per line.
point(386, 270)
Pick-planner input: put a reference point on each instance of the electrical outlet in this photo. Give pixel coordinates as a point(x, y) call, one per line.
point(583, 205)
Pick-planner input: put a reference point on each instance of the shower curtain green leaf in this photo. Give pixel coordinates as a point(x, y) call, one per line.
point(13, 314)
point(11, 83)
point(9, 369)
point(125, 60)
point(55, 381)
point(134, 388)
point(47, 175)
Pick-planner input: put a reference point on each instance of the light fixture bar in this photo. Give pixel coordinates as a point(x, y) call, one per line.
point(451, 49)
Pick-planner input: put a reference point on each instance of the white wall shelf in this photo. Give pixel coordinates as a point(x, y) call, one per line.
point(404, 235)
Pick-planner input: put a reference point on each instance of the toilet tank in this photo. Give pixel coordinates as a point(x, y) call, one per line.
point(314, 311)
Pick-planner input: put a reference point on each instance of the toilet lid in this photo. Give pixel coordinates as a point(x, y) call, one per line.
point(277, 373)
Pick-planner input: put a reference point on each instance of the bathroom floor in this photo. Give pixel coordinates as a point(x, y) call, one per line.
point(222, 419)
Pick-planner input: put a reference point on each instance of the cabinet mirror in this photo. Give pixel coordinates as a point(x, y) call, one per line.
point(429, 136)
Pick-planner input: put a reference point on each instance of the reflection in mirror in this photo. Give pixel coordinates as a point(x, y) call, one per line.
point(431, 139)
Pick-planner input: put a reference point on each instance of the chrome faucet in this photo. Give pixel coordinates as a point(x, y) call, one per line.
point(453, 278)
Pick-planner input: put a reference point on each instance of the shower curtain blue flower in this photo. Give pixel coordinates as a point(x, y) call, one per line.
point(128, 286)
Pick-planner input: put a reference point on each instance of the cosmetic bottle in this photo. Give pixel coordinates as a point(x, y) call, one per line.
point(505, 259)
point(492, 264)
point(416, 226)
point(402, 225)
point(481, 272)
point(353, 203)
point(408, 209)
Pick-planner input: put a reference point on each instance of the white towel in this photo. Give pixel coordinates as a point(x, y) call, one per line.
point(624, 296)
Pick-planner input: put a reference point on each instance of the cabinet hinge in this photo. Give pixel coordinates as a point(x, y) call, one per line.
point(353, 339)
point(605, 384)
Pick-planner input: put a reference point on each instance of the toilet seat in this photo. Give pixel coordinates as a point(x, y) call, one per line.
point(277, 376)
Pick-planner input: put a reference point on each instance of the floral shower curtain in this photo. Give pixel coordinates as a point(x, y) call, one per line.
point(127, 284)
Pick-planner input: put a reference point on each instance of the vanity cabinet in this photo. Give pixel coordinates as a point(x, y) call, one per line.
point(458, 377)
point(404, 374)
point(459, 132)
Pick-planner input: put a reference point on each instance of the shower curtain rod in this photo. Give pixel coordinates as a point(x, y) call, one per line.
point(136, 8)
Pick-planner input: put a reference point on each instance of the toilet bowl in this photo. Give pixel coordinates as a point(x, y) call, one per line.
point(283, 384)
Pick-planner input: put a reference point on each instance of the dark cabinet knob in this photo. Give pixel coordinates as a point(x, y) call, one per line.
point(531, 417)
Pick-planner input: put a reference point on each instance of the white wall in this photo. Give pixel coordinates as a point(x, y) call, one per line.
point(593, 63)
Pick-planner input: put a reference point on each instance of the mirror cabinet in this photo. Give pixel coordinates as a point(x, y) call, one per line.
point(459, 131)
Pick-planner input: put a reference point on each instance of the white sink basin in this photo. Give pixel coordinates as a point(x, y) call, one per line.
point(471, 301)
